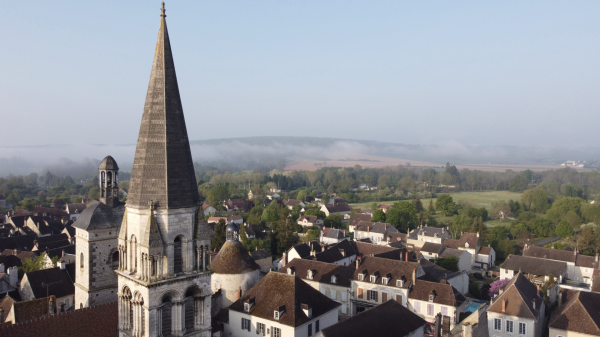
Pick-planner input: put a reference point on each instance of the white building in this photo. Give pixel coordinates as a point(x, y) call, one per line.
point(375, 231)
point(280, 305)
point(517, 311)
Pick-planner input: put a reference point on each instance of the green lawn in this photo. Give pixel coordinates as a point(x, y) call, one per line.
point(480, 199)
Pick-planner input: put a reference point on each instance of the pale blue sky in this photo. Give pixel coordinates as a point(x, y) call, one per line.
point(419, 72)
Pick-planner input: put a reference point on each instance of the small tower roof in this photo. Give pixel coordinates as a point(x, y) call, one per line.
point(233, 258)
point(108, 163)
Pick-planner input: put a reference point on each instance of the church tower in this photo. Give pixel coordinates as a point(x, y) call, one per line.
point(96, 232)
point(164, 285)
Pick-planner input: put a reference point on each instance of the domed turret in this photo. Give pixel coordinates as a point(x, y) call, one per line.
point(232, 232)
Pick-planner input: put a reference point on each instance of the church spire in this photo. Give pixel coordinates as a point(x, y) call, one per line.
point(163, 170)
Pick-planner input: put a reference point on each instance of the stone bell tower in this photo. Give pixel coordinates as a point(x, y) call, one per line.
point(109, 184)
point(164, 284)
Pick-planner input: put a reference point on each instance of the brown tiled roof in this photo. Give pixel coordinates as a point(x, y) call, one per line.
point(381, 321)
point(397, 270)
point(535, 266)
point(98, 321)
point(519, 294)
point(586, 261)
point(24, 255)
point(292, 202)
point(358, 217)
point(595, 284)
point(322, 272)
point(28, 310)
point(375, 227)
point(581, 313)
point(233, 258)
point(485, 250)
point(550, 254)
point(341, 207)
point(6, 305)
point(471, 238)
point(277, 290)
point(431, 247)
point(444, 293)
point(368, 249)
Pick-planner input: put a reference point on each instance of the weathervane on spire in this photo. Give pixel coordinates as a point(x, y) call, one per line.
point(162, 10)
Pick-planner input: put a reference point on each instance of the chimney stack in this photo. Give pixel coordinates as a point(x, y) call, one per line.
point(1, 315)
point(13, 273)
point(240, 292)
point(62, 264)
point(357, 263)
point(414, 276)
point(406, 256)
point(504, 305)
point(284, 259)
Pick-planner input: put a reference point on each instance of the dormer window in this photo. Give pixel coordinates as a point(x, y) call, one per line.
point(386, 279)
point(362, 275)
point(278, 312)
point(374, 277)
point(307, 310)
point(333, 279)
point(248, 304)
point(311, 274)
point(435, 235)
point(466, 245)
point(431, 296)
point(291, 271)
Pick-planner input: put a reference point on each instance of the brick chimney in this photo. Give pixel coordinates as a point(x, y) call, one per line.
point(406, 256)
point(504, 305)
point(284, 259)
point(357, 263)
point(414, 276)
point(240, 292)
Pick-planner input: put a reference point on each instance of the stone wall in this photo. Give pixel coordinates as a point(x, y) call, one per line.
point(231, 283)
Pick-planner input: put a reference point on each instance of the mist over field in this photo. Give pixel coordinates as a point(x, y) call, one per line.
point(239, 154)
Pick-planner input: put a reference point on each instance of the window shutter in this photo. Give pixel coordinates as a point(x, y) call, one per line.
point(383, 297)
point(360, 293)
point(399, 298)
point(243, 328)
point(376, 292)
point(249, 326)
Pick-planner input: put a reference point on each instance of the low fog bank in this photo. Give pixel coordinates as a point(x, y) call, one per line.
point(239, 154)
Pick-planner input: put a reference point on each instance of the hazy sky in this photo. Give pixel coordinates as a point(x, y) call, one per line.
point(419, 72)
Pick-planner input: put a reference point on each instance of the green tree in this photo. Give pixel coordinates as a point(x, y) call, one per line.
point(518, 183)
point(325, 200)
point(402, 215)
point(216, 195)
point(450, 263)
point(311, 235)
point(418, 205)
point(562, 206)
point(431, 208)
point(445, 204)
point(378, 216)
point(564, 230)
point(316, 212)
point(94, 193)
point(218, 239)
point(301, 195)
point(286, 237)
point(333, 221)
point(541, 227)
point(28, 204)
point(535, 200)
point(271, 213)
point(35, 264)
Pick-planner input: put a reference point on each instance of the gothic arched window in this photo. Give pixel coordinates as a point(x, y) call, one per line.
point(166, 316)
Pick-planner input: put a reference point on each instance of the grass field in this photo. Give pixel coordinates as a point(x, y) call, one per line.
point(479, 199)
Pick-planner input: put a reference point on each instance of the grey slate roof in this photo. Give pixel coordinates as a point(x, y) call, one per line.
point(108, 163)
point(100, 216)
point(163, 170)
point(535, 266)
point(62, 281)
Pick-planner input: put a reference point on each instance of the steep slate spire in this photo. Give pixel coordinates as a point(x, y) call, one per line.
point(163, 170)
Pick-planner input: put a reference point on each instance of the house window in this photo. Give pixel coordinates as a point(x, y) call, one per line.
point(246, 307)
point(373, 278)
point(417, 307)
point(344, 309)
point(509, 326)
point(333, 295)
point(67, 303)
point(317, 326)
point(260, 328)
point(497, 324)
point(384, 280)
point(333, 279)
point(431, 298)
point(522, 329)
point(430, 308)
point(344, 296)
point(373, 295)
point(361, 277)
point(444, 310)
point(276, 332)
point(310, 330)
point(245, 324)
point(586, 270)
point(276, 315)
point(324, 291)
